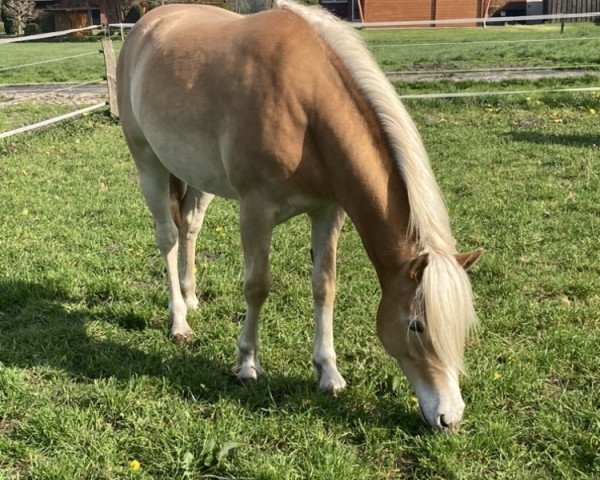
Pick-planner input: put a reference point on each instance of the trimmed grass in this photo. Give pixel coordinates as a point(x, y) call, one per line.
point(579, 45)
point(26, 113)
point(81, 69)
point(89, 381)
point(408, 53)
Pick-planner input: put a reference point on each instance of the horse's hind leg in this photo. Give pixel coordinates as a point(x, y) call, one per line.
point(256, 229)
point(154, 180)
point(189, 219)
point(326, 227)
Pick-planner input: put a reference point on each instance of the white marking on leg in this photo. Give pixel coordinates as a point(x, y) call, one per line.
point(326, 227)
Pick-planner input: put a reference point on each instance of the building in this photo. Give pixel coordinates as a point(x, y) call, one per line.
point(424, 10)
point(404, 10)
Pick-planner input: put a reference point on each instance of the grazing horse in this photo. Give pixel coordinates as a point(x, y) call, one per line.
point(286, 112)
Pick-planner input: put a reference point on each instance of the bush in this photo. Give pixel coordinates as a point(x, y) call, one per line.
point(134, 14)
point(47, 22)
point(32, 29)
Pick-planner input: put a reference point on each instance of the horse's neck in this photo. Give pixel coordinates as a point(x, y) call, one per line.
point(368, 185)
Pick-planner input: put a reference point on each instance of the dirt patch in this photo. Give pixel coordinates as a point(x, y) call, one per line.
point(56, 94)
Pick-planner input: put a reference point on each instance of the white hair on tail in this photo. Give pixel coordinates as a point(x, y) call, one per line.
point(445, 291)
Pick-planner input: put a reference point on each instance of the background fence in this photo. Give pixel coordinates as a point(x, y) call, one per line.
point(467, 48)
point(571, 6)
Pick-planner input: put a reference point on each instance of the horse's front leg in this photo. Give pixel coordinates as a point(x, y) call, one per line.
point(326, 227)
point(256, 229)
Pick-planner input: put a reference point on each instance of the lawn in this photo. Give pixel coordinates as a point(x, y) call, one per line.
point(467, 48)
point(90, 386)
point(87, 64)
point(395, 50)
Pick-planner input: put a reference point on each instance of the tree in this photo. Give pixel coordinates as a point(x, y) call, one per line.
point(19, 11)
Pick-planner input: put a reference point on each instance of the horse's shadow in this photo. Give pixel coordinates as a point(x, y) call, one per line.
point(40, 327)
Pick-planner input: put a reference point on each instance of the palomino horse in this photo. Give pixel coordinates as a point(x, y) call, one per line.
point(286, 112)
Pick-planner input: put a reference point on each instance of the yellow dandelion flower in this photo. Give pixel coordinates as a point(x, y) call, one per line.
point(497, 376)
point(25, 212)
point(218, 229)
point(528, 99)
point(134, 465)
point(414, 399)
point(593, 111)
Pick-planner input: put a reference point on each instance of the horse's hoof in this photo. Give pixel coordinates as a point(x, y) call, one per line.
point(332, 385)
point(181, 338)
point(249, 374)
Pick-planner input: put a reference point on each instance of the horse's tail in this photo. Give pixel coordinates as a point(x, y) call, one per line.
point(178, 190)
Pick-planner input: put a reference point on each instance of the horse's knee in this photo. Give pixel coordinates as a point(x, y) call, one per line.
point(166, 236)
point(256, 289)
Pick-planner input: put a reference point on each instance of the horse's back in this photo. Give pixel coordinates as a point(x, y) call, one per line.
point(204, 82)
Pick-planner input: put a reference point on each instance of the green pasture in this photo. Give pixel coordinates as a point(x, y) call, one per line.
point(395, 50)
point(87, 65)
point(436, 49)
point(91, 388)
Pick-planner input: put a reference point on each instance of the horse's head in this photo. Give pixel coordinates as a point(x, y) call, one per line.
point(423, 321)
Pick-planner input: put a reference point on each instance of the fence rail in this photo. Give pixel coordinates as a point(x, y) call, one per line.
point(42, 36)
point(59, 118)
point(572, 10)
point(480, 20)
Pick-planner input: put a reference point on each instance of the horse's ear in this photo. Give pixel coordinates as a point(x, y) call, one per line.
point(417, 267)
point(468, 259)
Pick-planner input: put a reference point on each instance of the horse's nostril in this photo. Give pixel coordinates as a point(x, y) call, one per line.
point(443, 423)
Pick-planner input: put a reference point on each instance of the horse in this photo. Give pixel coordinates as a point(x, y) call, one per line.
point(286, 112)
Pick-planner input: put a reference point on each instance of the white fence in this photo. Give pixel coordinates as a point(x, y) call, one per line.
point(484, 44)
point(59, 89)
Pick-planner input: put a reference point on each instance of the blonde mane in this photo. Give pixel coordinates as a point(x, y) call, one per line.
point(445, 290)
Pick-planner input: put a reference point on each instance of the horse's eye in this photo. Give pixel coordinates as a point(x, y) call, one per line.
point(416, 326)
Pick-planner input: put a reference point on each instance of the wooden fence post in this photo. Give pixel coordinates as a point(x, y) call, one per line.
point(110, 65)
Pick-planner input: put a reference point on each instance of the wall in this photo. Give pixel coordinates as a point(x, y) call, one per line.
point(401, 10)
point(398, 10)
point(448, 9)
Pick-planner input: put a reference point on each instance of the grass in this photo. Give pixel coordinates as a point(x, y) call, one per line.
point(580, 48)
point(81, 69)
point(409, 53)
point(89, 381)
point(26, 113)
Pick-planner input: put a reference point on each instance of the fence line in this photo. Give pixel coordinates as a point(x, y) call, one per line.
point(451, 21)
point(42, 36)
point(52, 120)
point(495, 93)
point(50, 92)
point(595, 66)
point(483, 20)
point(12, 67)
point(481, 42)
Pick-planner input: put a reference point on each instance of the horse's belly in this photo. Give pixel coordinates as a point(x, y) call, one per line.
point(196, 159)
